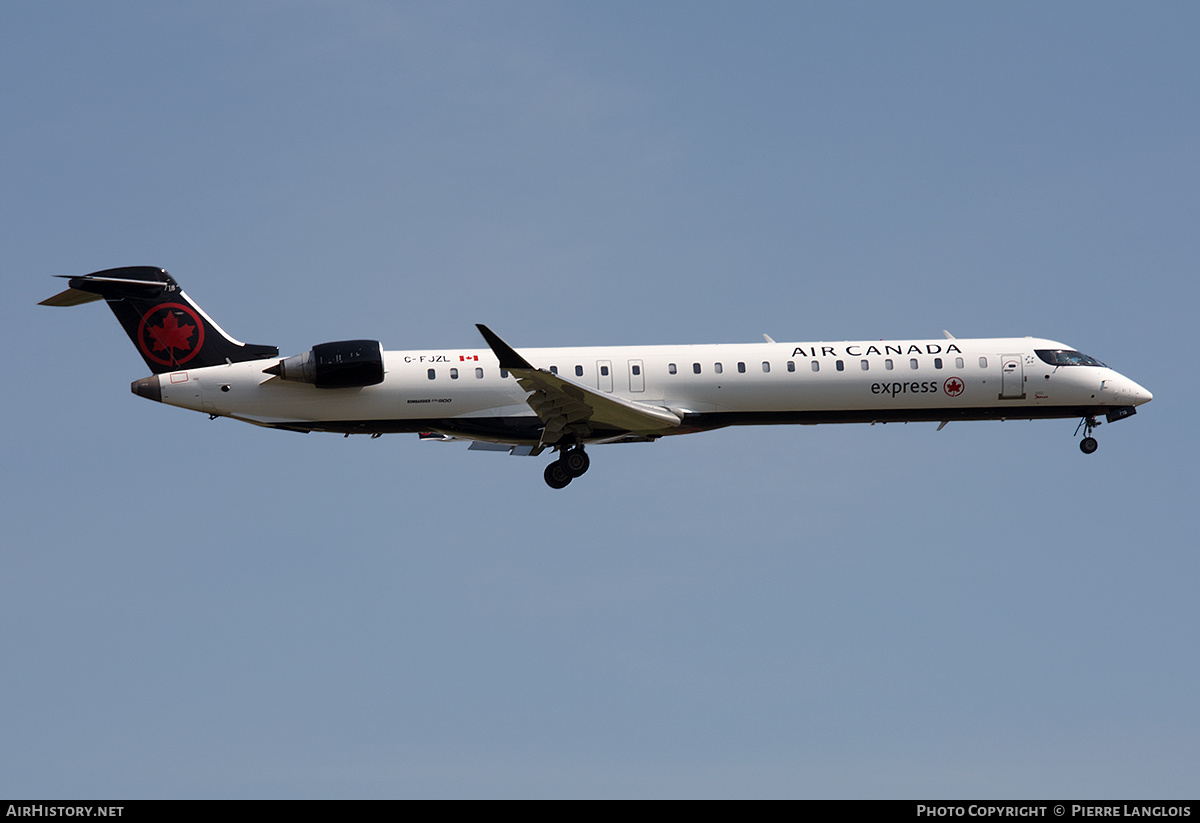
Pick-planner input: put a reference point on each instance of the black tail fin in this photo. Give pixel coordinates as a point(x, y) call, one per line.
point(170, 331)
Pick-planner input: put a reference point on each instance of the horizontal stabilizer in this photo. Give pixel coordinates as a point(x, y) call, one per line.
point(70, 297)
point(140, 282)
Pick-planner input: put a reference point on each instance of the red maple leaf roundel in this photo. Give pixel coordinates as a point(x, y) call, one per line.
point(166, 337)
point(954, 387)
point(171, 334)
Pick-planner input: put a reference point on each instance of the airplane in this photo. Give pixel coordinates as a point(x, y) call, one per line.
point(565, 399)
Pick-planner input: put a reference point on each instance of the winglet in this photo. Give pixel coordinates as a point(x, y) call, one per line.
point(508, 357)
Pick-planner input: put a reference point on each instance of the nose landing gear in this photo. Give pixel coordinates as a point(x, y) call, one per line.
point(1088, 444)
point(571, 463)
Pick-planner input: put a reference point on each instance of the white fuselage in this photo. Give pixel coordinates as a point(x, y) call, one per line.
point(463, 391)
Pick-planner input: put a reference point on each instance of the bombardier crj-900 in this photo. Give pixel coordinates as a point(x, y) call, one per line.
point(524, 402)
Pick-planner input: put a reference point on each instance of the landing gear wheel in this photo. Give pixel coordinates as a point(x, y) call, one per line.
point(1088, 444)
point(575, 462)
point(556, 475)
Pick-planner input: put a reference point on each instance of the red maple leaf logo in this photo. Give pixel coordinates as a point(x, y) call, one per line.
point(171, 334)
point(954, 387)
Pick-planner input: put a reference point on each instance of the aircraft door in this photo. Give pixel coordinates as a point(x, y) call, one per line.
point(1012, 377)
point(604, 375)
point(637, 376)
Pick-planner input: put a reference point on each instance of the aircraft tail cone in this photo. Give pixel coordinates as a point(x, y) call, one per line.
point(148, 387)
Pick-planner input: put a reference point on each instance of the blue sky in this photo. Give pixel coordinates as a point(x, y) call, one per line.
point(207, 609)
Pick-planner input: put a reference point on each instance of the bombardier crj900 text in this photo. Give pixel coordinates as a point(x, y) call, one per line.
point(565, 399)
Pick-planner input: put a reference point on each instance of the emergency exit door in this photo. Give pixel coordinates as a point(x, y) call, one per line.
point(604, 376)
point(637, 379)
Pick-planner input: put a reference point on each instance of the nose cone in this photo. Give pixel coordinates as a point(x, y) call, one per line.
point(1132, 393)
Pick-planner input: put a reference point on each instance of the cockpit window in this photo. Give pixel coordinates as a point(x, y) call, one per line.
point(1066, 357)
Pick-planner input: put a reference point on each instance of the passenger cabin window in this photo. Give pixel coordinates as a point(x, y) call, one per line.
point(937, 362)
point(454, 374)
point(503, 372)
point(791, 365)
point(554, 369)
point(958, 362)
point(816, 365)
point(479, 374)
point(695, 368)
point(865, 365)
point(671, 368)
point(432, 373)
point(579, 371)
point(840, 365)
point(741, 368)
point(983, 362)
point(887, 364)
point(912, 364)
point(766, 367)
point(716, 367)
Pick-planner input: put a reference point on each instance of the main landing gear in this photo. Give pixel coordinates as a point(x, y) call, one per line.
point(571, 463)
point(1088, 444)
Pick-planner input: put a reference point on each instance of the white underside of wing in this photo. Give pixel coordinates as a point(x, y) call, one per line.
point(567, 407)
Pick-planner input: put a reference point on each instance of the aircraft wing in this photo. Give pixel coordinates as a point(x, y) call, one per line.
point(570, 408)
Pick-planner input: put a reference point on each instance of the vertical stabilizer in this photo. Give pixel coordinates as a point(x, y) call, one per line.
point(168, 329)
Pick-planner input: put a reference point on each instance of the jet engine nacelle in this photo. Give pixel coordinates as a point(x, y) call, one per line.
point(341, 365)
